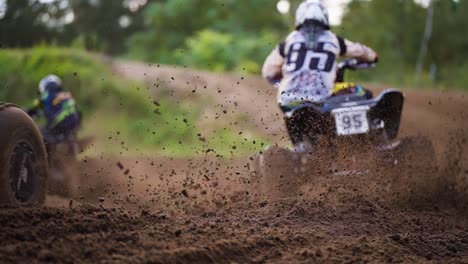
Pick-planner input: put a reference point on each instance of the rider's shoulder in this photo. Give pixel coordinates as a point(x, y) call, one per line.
point(295, 36)
point(298, 36)
point(329, 35)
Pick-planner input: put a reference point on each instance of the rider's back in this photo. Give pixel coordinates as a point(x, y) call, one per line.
point(307, 63)
point(57, 105)
point(310, 69)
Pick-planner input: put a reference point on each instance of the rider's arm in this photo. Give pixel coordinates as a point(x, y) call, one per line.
point(34, 109)
point(272, 68)
point(357, 50)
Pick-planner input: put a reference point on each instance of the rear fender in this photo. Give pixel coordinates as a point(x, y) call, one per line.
point(289, 111)
point(387, 107)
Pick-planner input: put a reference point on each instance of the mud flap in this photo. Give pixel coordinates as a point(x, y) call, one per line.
point(389, 109)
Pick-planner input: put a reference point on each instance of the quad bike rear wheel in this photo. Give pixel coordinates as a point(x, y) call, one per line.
point(23, 159)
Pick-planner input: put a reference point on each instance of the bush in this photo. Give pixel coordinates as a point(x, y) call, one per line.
point(117, 111)
point(220, 52)
point(85, 75)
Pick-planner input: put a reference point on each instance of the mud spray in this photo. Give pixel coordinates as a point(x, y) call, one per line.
point(166, 210)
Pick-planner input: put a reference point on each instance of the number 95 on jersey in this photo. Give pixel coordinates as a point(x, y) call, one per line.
point(351, 120)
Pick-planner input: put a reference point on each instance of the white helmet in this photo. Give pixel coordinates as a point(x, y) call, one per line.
point(313, 10)
point(49, 79)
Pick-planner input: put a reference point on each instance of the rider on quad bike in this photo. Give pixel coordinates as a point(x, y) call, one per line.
point(58, 107)
point(304, 66)
point(60, 134)
point(338, 128)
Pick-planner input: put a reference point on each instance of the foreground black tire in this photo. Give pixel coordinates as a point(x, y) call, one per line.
point(23, 159)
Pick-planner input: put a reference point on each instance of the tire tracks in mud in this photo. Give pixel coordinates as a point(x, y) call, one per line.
point(287, 231)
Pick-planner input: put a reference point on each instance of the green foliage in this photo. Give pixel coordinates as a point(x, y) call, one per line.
point(232, 35)
point(96, 23)
point(91, 82)
point(20, 25)
point(167, 25)
point(99, 24)
point(114, 109)
point(396, 34)
point(205, 33)
point(210, 50)
point(223, 52)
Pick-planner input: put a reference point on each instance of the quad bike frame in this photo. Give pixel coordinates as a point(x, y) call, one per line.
point(383, 116)
point(373, 152)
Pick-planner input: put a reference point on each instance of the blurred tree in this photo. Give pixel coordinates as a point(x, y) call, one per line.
point(218, 51)
point(450, 42)
point(393, 28)
point(102, 25)
point(22, 23)
point(237, 34)
point(448, 48)
point(168, 24)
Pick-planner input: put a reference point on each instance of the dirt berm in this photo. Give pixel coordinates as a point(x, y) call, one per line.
point(165, 210)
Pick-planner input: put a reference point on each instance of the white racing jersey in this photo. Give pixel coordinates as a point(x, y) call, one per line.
point(308, 74)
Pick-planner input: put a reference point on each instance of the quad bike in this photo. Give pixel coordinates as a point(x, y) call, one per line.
point(63, 150)
point(63, 172)
point(350, 135)
point(23, 158)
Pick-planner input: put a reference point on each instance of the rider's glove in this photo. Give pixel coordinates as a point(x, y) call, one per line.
point(376, 59)
point(32, 112)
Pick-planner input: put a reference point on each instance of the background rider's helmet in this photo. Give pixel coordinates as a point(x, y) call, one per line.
point(50, 81)
point(312, 11)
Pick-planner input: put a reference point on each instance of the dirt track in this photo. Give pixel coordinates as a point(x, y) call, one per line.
point(181, 211)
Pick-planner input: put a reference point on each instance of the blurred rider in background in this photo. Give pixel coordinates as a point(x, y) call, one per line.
point(59, 108)
point(304, 65)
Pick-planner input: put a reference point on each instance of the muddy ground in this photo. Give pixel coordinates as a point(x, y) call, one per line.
point(147, 209)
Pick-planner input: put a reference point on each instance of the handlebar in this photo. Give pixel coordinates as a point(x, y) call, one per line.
point(355, 64)
point(352, 64)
